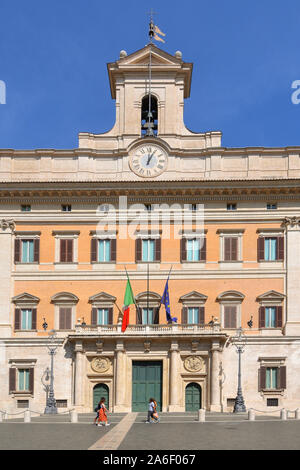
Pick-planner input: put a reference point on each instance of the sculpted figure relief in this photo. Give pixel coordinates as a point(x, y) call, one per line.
point(100, 364)
point(194, 363)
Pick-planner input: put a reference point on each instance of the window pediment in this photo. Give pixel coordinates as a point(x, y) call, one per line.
point(62, 297)
point(231, 295)
point(193, 297)
point(271, 295)
point(25, 298)
point(102, 298)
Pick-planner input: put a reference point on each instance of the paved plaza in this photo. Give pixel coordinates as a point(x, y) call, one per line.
point(176, 431)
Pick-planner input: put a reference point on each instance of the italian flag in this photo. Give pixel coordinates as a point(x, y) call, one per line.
point(128, 300)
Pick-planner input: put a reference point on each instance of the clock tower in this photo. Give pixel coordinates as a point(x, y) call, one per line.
point(149, 78)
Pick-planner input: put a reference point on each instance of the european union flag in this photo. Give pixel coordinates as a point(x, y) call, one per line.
point(166, 301)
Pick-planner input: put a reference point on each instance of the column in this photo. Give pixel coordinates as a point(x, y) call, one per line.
point(120, 379)
point(292, 251)
point(79, 374)
point(174, 378)
point(7, 227)
point(215, 404)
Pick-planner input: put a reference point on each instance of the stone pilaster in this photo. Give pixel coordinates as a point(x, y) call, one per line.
point(215, 396)
point(174, 377)
point(120, 379)
point(79, 374)
point(292, 325)
point(7, 227)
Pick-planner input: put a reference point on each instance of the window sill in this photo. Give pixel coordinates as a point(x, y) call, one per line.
point(25, 331)
point(23, 393)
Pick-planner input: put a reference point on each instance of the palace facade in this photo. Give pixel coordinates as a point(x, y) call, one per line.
point(71, 220)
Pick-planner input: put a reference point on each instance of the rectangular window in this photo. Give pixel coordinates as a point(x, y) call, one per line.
point(62, 403)
point(147, 316)
point(104, 250)
point(193, 315)
point(26, 319)
point(230, 316)
point(230, 248)
point(22, 403)
point(272, 401)
point(271, 377)
point(102, 316)
point(270, 317)
point(271, 207)
point(231, 207)
point(148, 207)
point(193, 249)
point(23, 380)
point(66, 250)
point(66, 207)
point(25, 208)
point(148, 250)
point(270, 249)
point(27, 251)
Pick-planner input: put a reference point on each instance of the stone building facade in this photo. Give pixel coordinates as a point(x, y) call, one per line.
point(68, 229)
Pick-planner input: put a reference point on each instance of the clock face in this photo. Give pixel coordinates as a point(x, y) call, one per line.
point(148, 160)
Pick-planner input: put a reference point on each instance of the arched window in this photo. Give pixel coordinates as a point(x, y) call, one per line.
point(149, 115)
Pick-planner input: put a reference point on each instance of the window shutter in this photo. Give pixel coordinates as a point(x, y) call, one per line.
point(69, 251)
point(110, 316)
point(157, 249)
point(262, 317)
point(184, 314)
point(234, 249)
point(63, 250)
point(113, 249)
point(202, 256)
point(138, 250)
point(201, 315)
point(229, 316)
point(282, 377)
point(156, 315)
point(262, 379)
point(94, 244)
point(280, 248)
point(279, 316)
point(36, 258)
point(94, 316)
point(17, 318)
point(183, 250)
point(227, 251)
point(260, 249)
point(62, 318)
point(139, 316)
point(31, 380)
point(33, 324)
point(12, 380)
point(17, 250)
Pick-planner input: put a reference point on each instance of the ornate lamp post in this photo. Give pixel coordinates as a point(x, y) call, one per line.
point(51, 402)
point(239, 342)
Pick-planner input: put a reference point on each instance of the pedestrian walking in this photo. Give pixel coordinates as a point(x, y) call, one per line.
point(102, 420)
point(150, 410)
point(97, 411)
point(156, 418)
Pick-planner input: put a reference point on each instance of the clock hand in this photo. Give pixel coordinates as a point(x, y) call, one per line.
point(149, 158)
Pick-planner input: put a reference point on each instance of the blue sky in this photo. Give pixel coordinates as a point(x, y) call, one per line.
point(53, 57)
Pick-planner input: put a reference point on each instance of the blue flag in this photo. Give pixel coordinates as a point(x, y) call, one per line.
point(166, 301)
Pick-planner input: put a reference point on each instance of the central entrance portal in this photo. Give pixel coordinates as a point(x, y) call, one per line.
point(146, 383)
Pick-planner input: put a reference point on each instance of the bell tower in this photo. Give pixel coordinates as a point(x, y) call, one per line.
point(149, 87)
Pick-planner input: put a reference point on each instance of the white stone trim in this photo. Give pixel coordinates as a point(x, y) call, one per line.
point(231, 234)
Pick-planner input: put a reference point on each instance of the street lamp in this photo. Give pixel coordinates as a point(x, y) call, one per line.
point(51, 402)
point(239, 342)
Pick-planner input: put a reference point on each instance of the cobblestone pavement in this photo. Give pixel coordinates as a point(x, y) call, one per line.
point(176, 431)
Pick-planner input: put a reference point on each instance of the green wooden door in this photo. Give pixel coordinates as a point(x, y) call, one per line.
point(100, 390)
point(192, 397)
point(146, 383)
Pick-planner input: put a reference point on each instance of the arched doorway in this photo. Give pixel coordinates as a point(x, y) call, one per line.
point(193, 397)
point(99, 391)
